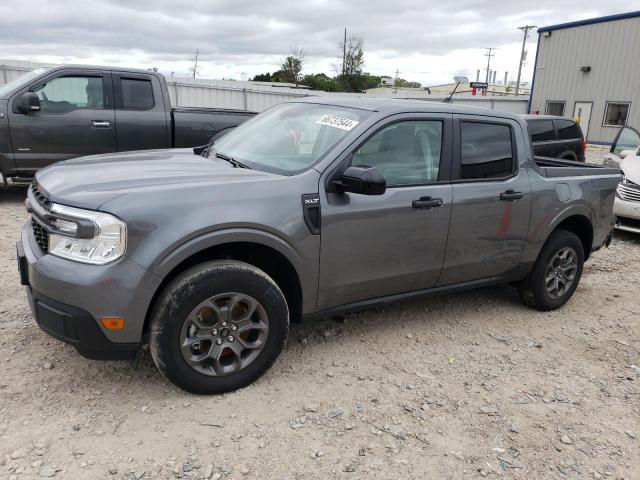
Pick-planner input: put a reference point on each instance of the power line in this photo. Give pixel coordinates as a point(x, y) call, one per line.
point(525, 29)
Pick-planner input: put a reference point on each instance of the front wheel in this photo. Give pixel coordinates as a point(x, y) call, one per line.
point(556, 273)
point(218, 326)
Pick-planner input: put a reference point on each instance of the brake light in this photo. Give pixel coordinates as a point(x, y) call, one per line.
point(584, 147)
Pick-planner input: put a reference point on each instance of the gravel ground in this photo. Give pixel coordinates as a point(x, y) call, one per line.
point(468, 385)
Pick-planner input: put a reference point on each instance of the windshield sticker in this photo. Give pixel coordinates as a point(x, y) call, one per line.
point(337, 122)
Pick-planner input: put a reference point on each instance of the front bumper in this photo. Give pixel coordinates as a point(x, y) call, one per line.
point(627, 215)
point(67, 298)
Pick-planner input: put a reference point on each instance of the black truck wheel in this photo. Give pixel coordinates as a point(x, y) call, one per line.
point(218, 326)
point(556, 273)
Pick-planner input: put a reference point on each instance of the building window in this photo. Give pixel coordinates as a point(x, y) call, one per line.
point(616, 113)
point(555, 108)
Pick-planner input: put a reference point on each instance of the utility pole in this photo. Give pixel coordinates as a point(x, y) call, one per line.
point(525, 29)
point(195, 65)
point(395, 83)
point(344, 51)
point(489, 54)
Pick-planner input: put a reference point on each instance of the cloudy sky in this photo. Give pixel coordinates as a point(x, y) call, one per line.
point(425, 40)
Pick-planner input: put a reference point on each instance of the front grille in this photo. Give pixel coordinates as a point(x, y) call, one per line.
point(39, 196)
point(41, 235)
point(629, 192)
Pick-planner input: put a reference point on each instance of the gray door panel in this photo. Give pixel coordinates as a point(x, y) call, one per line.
point(487, 235)
point(489, 227)
point(372, 246)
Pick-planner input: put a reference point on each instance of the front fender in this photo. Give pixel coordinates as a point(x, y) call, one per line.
point(306, 268)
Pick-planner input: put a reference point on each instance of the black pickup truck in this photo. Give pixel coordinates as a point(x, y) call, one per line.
point(57, 113)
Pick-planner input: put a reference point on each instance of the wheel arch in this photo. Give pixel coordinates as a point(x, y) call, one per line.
point(260, 249)
point(581, 226)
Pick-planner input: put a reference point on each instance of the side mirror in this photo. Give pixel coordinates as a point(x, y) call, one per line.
point(363, 180)
point(28, 102)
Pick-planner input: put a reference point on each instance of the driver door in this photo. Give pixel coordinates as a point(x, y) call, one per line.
point(628, 138)
point(376, 246)
point(75, 118)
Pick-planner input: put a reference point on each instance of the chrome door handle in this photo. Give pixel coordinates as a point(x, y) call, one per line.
point(100, 123)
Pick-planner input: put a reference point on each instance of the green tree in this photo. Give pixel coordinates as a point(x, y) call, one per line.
point(352, 60)
point(320, 81)
point(401, 82)
point(263, 77)
point(292, 66)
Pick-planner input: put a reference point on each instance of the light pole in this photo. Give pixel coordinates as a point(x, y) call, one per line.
point(525, 29)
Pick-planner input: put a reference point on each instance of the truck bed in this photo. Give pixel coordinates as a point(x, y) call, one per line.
point(553, 167)
point(198, 126)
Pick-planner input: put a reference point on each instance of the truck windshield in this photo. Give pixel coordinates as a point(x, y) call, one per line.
point(12, 86)
point(289, 138)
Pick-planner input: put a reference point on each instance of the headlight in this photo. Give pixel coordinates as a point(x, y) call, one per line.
point(107, 235)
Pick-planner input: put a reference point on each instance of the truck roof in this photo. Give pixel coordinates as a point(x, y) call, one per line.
point(102, 68)
point(394, 105)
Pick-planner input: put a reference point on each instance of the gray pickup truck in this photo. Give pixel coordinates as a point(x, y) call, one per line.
point(310, 209)
point(53, 114)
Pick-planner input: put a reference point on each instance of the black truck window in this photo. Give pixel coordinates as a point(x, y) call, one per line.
point(568, 130)
point(541, 130)
point(486, 151)
point(137, 94)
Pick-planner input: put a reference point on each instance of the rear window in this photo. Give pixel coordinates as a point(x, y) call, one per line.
point(568, 130)
point(136, 94)
point(541, 130)
point(486, 151)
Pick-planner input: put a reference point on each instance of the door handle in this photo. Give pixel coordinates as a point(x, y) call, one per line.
point(426, 203)
point(100, 123)
point(511, 195)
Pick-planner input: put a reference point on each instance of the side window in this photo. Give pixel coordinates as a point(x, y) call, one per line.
point(64, 94)
point(555, 108)
point(486, 150)
point(541, 130)
point(615, 114)
point(629, 139)
point(137, 94)
point(407, 153)
point(568, 130)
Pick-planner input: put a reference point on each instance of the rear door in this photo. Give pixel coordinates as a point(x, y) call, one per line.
point(374, 246)
point(75, 118)
point(140, 112)
point(491, 200)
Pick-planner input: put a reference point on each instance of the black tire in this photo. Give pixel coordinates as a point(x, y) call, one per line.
point(194, 286)
point(533, 289)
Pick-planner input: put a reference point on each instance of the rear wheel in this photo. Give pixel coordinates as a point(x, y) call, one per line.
point(556, 273)
point(218, 326)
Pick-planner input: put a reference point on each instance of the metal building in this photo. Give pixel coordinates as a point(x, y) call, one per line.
point(590, 70)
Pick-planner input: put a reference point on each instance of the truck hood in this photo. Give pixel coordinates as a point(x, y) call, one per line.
point(630, 166)
point(89, 182)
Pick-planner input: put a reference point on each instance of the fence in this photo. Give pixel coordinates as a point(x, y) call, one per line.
point(257, 96)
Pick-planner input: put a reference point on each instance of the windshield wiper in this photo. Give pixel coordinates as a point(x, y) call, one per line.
point(231, 160)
